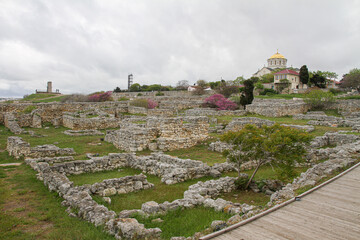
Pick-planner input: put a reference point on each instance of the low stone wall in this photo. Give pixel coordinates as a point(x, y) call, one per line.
point(213, 112)
point(12, 124)
point(19, 148)
point(83, 133)
point(306, 128)
point(137, 110)
point(49, 160)
point(238, 123)
point(350, 105)
point(333, 138)
point(166, 112)
point(90, 123)
point(96, 164)
point(123, 185)
point(79, 199)
point(277, 107)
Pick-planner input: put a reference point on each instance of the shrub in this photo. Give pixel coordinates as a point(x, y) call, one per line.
point(139, 103)
point(139, 94)
point(318, 99)
point(145, 103)
point(335, 91)
point(100, 97)
point(159, 94)
point(198, 91)
point(259, 86)
point(220, 102)
point(268, 91)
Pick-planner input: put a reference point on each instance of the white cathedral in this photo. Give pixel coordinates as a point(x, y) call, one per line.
point(276, 61)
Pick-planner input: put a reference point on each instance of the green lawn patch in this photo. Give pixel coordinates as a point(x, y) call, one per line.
point(281, 96)
point(81, 144)
point(199, 152)
point(53, 99)
point(37, 96)
point(160, 193)
point(91, 178)
point(249, 197)
point(38, 213)
point(184, 222)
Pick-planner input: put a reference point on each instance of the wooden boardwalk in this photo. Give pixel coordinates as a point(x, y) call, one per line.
point(330, 212)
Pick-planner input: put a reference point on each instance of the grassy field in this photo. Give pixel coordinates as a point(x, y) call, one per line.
point(184, 222)
point(29, 211)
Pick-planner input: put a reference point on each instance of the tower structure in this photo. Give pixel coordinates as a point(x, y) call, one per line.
point(130, 81)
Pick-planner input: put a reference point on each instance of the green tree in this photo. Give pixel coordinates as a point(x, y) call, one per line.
point(278, 145)
point(318, 99)
point(117, 90)
point(351, 80)
point(304, 75)
point(318, 81)
point(239, 80)
point(135, 87)
point(202, 83)
point(249, 90)
point(267, 78)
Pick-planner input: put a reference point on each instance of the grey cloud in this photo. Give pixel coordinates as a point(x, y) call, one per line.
point(85, 46)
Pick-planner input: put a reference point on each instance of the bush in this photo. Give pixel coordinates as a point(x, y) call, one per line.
point(335, 91)
point(220, 102)
point(241, 182)
point(259, 86)
point(159, 94)
point(101, 97)
point(268, 92)
point(145, 103)
point(318, 99)
point(139, 94)
point(139, 103)
point(198, 91)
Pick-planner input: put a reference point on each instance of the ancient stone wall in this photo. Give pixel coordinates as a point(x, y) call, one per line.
point(137, 110)
point(213, 112)
point(122, 185)
point(19, 148)
point(90, 123)
point(277, 107)
point(165, 134)
point(238, 123)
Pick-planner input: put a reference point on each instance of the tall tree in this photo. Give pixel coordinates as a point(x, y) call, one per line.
point(304, 75)
point(182, 85)
point(318, 80)
point(249, 90)
point(351, 79)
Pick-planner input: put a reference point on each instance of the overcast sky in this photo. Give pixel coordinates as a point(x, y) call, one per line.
point(86, 46)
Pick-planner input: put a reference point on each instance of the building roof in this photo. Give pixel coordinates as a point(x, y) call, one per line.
point(287, 71)
point(277, 55)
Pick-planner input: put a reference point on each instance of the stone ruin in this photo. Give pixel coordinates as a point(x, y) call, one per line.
point(165, 134)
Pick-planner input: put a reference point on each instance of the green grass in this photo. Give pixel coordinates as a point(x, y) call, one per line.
point(249, 197)
point(160, 193)
point(43, 216)
point(199, 152)
point(54, 99)
point(81, 144)
point(184, 222)
point(351, 97)
point(34, 97)
point(91, 178)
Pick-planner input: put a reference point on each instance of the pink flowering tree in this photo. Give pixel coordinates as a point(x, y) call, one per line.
point(219, 102)
point(100, 97)
point(151, 104)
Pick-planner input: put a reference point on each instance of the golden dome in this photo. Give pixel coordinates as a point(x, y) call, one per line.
point(277, 55)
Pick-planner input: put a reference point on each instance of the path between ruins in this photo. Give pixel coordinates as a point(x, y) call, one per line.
point(330, 212)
